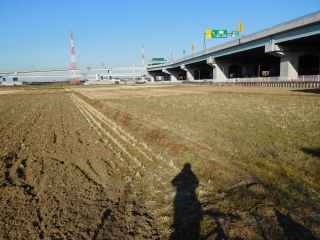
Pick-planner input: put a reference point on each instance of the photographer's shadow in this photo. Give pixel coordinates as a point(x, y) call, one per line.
point(187, 208)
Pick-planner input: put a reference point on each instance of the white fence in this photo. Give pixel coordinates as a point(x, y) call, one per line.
point(302, 78)
point(256, 80)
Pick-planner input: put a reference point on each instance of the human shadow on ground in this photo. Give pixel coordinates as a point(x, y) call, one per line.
point(312, 151)
point(187, 208)
point(316, 90)
point(105, 216)
point(188, 212)
point(293, 230)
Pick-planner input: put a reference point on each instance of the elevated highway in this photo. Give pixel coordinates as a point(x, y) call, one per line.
point(286, 50)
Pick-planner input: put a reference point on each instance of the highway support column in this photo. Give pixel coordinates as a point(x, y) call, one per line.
point(289, 61)
point(289, 64)
point(173, 74)
point(219, 69)
point(153, 76)
point(189, 72)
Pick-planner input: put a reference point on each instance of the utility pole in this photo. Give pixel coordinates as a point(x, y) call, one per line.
point(142, 56)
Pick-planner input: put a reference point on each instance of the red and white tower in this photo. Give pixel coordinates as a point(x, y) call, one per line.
point(142, 56)
point(74, 68)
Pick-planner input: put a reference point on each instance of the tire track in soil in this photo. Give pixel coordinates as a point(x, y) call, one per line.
point(122, 140)
point(61, 181)
point(147, 175)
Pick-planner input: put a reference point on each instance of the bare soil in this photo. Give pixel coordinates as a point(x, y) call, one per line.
point(55, 176)
point(69, 171)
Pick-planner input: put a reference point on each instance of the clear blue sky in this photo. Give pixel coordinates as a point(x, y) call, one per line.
point(35, 33)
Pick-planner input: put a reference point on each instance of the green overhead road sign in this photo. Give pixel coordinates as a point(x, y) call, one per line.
point(235, 33)
point(219, 33)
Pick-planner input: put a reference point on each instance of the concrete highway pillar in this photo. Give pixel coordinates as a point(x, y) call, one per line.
point(152, 77)
point(289, 61)
point(220, 70)
point(189, 71)
point(173, 74)
point(173, 78)
point(289, 65)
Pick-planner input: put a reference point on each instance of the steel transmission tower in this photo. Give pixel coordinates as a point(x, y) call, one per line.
point(74, 68)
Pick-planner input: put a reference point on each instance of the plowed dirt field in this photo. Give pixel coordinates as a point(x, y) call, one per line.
point(60, 178)
point(81, 162)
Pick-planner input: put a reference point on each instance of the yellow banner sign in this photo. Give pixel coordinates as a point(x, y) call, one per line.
point(208, 33)
point(240, 27)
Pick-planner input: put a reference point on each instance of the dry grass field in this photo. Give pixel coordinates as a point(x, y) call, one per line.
point(271, 135)
point(161, 162)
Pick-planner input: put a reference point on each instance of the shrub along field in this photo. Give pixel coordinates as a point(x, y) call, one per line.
point(265, 142)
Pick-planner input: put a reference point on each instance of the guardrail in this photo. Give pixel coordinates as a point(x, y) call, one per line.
point(304, 81)
point(301, 78)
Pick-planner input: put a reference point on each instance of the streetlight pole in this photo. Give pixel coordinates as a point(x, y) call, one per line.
point(171, 52)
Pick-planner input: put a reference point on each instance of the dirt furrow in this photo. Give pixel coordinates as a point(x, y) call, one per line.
point(141, 170)
point(151, 180)
point(115, 147)
point(126, 141)
point(57, 178)
point(141, 147)
point(123, 147)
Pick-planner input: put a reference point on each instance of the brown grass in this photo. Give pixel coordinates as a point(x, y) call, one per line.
point(253, 149)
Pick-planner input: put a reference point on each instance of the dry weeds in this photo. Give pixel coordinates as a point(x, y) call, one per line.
point(273, 134)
